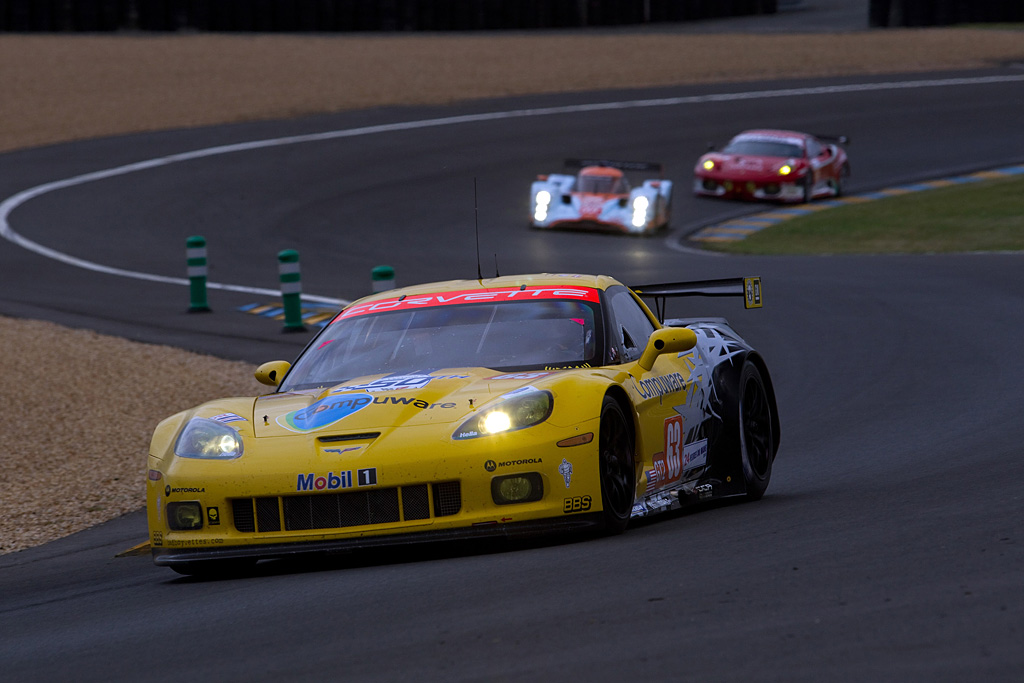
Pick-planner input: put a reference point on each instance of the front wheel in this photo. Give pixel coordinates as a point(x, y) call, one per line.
point(757, 443)
point(618, 476)
point(808, 188)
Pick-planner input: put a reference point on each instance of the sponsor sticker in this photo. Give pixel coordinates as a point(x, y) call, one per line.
point(495, 295)
point(324, 482)
point(397, 383)
point(565, 469)
point(662, 385)
point(227, 418)
point(522, 375)
point(324, 413)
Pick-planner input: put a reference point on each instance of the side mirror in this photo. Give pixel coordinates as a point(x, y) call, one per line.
point(666, 340)
point(273, 372)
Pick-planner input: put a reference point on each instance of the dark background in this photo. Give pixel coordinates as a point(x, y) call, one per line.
point(448, 15)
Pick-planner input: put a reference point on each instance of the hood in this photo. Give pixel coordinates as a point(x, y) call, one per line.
point(382, 402)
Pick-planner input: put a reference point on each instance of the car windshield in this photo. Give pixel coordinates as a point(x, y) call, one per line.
point(520, 335)
point(601, 184)
point(763, 148)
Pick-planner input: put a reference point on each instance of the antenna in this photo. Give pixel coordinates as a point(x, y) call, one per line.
point(476, 226)
point(496, 273)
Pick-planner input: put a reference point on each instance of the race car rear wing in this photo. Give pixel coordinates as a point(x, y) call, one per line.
point(747, 287)
point(840, 139)
point(621, 165)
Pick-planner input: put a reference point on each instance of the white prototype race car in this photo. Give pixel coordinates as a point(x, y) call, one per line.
point(599, 197)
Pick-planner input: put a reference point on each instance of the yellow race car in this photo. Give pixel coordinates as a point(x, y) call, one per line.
point(465, 409)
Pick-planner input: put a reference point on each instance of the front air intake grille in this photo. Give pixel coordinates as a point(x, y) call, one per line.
point(348, 509)
point(245, 521)
point(447, 499)
point(416, 502)
point(338, 510)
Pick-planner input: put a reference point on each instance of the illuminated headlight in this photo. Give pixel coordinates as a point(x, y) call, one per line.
point(516, 412)
point(208, 440)
point(640, 206)
point(786, 169)
point(517, 488)
point(708, 165)
point(541, 202)
point(184, 516)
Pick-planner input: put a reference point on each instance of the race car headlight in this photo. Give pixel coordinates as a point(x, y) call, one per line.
point(640, 206)
point(540, 203)
point(708, 165)
point(786, 169)
point(208, 440)
point(517, 412)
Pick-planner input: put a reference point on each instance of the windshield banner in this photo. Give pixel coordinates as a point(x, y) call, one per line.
point(471, 296)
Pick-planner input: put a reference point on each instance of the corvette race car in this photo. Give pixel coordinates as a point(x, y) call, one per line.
point(599, 197)
point(465, 409)
point(776, 165)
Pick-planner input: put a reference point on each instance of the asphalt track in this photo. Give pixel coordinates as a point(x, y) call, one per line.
point(888, 547)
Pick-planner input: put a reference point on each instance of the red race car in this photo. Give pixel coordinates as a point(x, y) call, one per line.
point(774, 165)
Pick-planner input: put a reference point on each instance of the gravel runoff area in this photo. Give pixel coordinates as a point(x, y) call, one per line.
point(61, 468)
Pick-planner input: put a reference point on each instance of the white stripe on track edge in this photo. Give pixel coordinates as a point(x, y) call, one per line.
point(13, 202)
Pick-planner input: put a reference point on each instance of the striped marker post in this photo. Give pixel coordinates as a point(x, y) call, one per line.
point(383, 278)
point(195, 254)
point(291, 290)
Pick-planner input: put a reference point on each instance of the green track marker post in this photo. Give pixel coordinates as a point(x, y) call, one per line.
point(383, 278)
point(291, 290)
point(195, 255)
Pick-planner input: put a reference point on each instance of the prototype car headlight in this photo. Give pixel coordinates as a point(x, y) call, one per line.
point(541, 202)
point(208, 440)
point(640, 206)
point(515, 412)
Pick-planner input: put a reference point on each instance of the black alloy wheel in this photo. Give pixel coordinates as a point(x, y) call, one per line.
point(618, 475)
point(757, 444)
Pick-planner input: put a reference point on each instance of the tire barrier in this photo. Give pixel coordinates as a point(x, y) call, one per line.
point(883, 13)
point(291, 290)
point(356, 15)
point(195, 256)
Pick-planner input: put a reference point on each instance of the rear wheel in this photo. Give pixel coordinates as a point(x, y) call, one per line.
point(757, 442)
point(618, 476)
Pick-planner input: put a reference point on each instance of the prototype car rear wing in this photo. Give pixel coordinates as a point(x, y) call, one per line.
point(621, 165)
point(747, 287)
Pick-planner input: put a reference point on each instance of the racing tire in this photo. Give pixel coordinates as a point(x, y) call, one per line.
point(808, 188)
point(844, 173)
point(617, 467)
point(757, 443)
point(215, 569)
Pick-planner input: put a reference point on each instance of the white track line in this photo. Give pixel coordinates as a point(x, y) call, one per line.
point(13, 202)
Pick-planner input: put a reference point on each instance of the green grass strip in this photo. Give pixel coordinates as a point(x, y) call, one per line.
point(986, 215)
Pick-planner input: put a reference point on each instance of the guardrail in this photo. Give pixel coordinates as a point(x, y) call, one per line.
point(356, 15)
point(883, 13)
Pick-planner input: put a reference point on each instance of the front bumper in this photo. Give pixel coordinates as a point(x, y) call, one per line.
point(169, 557)
point(748, 189)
